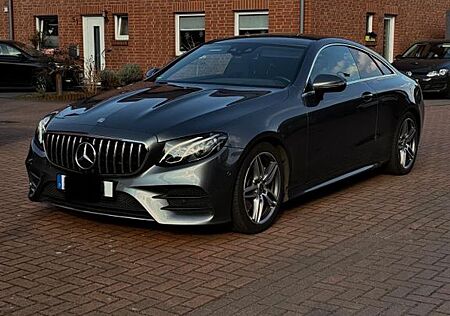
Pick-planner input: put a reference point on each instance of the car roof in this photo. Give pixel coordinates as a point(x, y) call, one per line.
point(281, 39)
point(7, 41)
point(433, 41)
point(10, 42)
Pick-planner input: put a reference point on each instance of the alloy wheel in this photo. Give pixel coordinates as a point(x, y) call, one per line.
point(262, 188)
point(41, 84)
point(407, 143)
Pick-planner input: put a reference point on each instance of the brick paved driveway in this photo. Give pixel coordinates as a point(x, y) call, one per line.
point(375, 245)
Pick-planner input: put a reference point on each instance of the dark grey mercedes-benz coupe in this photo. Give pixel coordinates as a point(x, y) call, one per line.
point(228, 132)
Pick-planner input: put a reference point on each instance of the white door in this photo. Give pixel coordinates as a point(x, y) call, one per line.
point(388, 43)
point(93, 44)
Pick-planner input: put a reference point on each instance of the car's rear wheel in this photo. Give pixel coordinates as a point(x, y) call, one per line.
point(258, 190)
point(404, 146)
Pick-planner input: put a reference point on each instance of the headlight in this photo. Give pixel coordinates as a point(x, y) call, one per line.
point(192, 149)
point(58, 65)
point(40, 131)
point(437, 73)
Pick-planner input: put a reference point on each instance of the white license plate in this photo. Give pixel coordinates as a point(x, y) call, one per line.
point(108, 186)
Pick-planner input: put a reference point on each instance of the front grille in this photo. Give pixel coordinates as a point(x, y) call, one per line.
point(114, 157)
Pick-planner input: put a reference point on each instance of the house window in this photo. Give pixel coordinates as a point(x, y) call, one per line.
point(121, 27)
point(189, 32)
point(47, 28)
point(248, 23)
point(369, 23)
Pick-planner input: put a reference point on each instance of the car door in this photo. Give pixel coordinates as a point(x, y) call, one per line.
point(4, 65)
point(376, 75)
point(392, 103)
point(341, 125)
point(15, 67)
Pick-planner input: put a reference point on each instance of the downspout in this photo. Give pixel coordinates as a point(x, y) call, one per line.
point(10, 18)
point(302, 16)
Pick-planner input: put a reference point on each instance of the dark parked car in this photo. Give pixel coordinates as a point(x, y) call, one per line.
point(228, 132)
point(428, 63)
point(23, 67)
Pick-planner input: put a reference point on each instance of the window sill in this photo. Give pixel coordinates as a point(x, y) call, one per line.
point(120, 43)
point(370, 43)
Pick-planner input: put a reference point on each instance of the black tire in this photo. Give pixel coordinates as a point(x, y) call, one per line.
point(242, 222)
point(41, 83)
point(397, 165)
point(447, 93)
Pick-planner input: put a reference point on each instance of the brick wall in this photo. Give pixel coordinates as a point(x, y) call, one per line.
point(152, 22)
point(415, 19)
point(3, 20)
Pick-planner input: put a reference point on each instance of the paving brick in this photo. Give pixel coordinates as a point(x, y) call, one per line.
point(374, 245)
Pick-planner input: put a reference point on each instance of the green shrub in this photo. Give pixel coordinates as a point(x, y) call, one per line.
point(109, 79)
point(129, 73)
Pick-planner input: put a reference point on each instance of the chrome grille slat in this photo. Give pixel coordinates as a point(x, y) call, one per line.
point(67, 151)
point(121, 156)
point(56, 149)
point(139, 155)
point(73, 152)
point(106, 157)
point(53, 142)
point(130, 158)
point(100, 156)
point(62, 150)
point(114, 157)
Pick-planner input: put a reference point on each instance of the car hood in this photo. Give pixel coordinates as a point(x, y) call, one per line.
point(420, 66)
point(166, 111)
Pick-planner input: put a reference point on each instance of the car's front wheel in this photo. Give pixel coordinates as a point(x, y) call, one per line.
point(404, 146)
point(258, 190)
point(40, 83)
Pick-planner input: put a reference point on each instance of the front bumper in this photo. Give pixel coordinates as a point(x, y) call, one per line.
point(433, 84)
point(193, 194)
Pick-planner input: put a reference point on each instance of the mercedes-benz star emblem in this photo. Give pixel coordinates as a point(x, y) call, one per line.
point(409, 73)
point(85, 156)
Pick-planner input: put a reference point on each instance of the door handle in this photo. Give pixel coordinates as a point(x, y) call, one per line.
point(367, 96)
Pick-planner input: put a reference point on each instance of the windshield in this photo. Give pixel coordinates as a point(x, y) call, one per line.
point(246, 64)
point(429, 51)
point(29, 50)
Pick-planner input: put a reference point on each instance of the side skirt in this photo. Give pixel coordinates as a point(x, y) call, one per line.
point(337, 179)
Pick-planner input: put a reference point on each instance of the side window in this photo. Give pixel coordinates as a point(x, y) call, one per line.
point(385, 69)
point(8, 51)
point(336, 60)
point(366, 65)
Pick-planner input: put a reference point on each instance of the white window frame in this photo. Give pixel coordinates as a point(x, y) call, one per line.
point(178, 52)
point(238, 14)
point(117, 24)
point(391, 19)
point(369, 21)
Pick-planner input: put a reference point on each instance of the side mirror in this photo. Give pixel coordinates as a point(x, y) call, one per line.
point(398, 57)
point(150, 73)
point(328, 83)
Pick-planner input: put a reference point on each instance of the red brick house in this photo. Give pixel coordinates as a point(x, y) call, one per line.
point(152, 32)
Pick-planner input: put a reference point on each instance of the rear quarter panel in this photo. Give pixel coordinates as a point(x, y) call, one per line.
point(397, 95)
